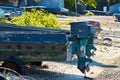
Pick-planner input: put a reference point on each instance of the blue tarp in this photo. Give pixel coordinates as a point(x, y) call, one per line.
point(32, 36)
point(13, 33)
point(115, 9)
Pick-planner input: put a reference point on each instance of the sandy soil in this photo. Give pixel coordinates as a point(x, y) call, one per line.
point(106, 65)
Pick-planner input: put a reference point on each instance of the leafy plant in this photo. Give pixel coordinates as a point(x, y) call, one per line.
point(3, 20)
point(90, 3)
point(89, 13)
point(38, 18)
point(71, 3)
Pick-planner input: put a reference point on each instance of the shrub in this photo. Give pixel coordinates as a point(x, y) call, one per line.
point(89, 13)
point(38, 18)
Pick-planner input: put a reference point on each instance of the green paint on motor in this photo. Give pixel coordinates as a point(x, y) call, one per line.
point(82, 35)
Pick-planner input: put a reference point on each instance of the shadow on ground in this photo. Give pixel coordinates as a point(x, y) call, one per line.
point(95, 63)
point(44, 74)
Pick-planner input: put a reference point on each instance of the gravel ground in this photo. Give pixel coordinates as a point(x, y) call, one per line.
point(111, 74)
point(106, 65)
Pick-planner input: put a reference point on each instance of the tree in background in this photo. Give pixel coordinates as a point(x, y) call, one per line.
point(4, 2)
point(89, 3)
point(70, 4)
point(108, 4)
point(101, 3)
point(114, 2)
point(95, 4)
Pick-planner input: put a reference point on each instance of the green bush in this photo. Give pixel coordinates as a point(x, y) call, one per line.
point(1, 20)
point(89, 13)
point(4, 20)
point(38, 18)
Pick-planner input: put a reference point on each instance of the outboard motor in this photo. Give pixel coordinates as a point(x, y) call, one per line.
point(82, 37)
